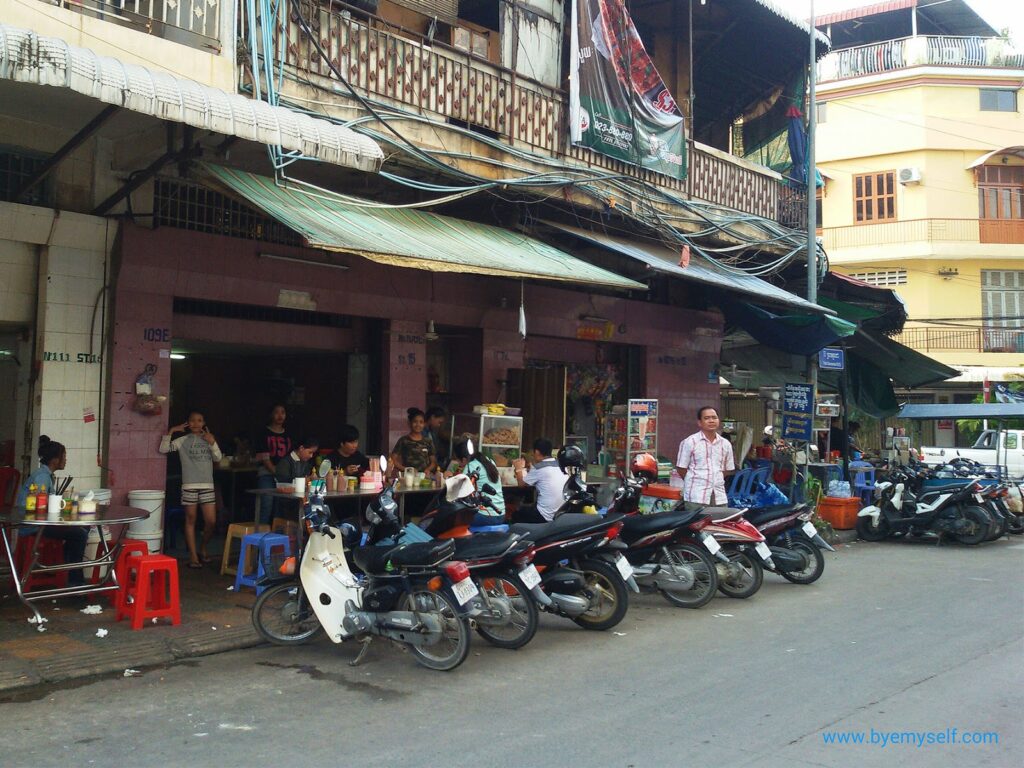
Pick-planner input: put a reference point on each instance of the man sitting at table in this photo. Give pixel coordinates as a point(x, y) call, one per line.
point(348, 458)
point(54, 457)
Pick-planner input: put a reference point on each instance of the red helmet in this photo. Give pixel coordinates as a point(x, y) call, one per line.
point(645, 467)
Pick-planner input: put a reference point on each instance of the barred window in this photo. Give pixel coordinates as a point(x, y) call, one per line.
point(16, 168)
point(883, 278)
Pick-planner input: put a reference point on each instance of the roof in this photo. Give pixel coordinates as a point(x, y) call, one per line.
point(27, 57)
point(876, 22)
point(700, 269)
point(865, 10)
point(406, 237)
point(963, 411)
point(1016, 151)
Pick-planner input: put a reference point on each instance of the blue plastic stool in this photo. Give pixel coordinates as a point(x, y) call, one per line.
point(489, 528)
point(265, 543)
point(174, 521)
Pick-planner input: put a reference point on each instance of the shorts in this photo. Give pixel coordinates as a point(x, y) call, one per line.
point(198, 496)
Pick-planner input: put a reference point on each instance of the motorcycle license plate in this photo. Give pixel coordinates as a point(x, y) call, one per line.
point(625, 569)
point(530, 576)
point(465, 590)
point(762, 550)
point(977, 498)
point(810, 530)
point(712, 544)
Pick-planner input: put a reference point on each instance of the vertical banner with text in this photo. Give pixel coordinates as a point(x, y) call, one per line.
point(618, 103)
point(797, 412)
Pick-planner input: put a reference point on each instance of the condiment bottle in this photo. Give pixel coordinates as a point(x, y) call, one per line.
point(41, 501)
point(74, 507)
point(30, 501)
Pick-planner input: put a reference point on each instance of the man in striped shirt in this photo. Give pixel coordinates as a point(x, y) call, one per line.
point(705, 459)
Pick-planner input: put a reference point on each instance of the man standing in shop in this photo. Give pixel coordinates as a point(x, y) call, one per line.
point(705, 460)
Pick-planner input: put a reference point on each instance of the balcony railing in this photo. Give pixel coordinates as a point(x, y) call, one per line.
point(918, 51)
point(924, 231)
point(981, 339)
point(395, 66)
point(192, 22)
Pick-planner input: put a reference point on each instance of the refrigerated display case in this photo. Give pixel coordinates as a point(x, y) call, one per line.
point(631, 431)
point(499, 437)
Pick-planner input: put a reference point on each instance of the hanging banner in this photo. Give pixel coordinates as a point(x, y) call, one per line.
point(618, 103)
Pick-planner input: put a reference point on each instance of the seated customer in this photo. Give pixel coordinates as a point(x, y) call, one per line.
point(547, 477)
point(298, 462)
point(488, 483)
point(53, 457)
point(348, 458)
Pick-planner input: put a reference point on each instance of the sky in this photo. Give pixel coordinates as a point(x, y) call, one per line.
point(998, 13)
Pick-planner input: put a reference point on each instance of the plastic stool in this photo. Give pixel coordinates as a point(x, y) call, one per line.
point(128, 547)
point(489, 528)
point(265, 544)
point(174, 521)
point(236, 531)
point(126, 570)
point(155, 592)
point(51, 552)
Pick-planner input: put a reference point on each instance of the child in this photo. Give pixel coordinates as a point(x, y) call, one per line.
point(198, 450)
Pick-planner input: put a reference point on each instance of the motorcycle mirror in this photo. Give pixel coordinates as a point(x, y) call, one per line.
point(325, 468)
point(469, 446)
point(383, 465)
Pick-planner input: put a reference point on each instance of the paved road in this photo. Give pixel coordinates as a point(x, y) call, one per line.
point(895, 637)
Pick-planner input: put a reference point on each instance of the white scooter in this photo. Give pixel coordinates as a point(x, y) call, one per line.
point(409, 592)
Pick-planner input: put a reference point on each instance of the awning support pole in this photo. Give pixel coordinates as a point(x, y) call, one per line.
point(61, 154)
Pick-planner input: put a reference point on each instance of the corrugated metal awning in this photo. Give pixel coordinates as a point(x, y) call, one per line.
point(700, 269)
point(405, 237)
point(26, 57)
point(962, 411)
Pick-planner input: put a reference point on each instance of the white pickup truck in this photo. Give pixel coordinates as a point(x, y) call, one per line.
point(993, 447)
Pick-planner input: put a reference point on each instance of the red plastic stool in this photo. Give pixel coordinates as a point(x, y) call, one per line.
point(152, 594)
point(51, 552)
point(124, 570)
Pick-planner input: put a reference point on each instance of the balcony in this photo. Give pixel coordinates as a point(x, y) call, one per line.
point(388, 64)
point(893, 55)
point(190, 22)
point(981, 339)
point(1007, 231)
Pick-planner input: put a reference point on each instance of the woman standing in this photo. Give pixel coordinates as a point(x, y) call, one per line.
point(414, 449)
point(272, 445)
point(198, 451)
point(53, 457)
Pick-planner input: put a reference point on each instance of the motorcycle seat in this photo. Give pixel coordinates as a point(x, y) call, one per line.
point(766, 514)
point(721, 514)
point(376, 559)
point(568, 524)
point(636, 526)
point(483, 545)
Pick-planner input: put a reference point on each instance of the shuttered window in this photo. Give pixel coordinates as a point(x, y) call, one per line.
point(882, 277)
point(446, 10)
point(874, 197)
point(1002, 301)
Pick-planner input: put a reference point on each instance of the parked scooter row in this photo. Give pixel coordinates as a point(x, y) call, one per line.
point(959, 500)
point(425, 586)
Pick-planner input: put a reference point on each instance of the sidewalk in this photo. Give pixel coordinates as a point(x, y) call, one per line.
point(213, 619)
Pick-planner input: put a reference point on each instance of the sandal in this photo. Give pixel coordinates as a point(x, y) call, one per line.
point(195, 565)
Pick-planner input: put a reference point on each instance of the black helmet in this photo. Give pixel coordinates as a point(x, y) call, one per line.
point(571, 456)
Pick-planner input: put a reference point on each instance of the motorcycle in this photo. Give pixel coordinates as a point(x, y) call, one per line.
point(903, 506)
point(745, 547)
point(412, 593)
point(793, 540)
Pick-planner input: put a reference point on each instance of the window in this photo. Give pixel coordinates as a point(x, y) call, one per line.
point(1002, 304)
point(884, 278)
point(874, 196)
point(15, 169)
point(822, 115)
point(818, 223)
point(1000, 192)
point(998, 100)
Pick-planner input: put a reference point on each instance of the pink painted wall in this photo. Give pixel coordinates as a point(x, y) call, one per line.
point(157, 265)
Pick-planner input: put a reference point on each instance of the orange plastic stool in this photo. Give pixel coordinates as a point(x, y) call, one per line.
point(125, 571)
point(51, 552)
point(155, 591)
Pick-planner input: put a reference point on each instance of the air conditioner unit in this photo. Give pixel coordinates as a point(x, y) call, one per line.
point(910, 175)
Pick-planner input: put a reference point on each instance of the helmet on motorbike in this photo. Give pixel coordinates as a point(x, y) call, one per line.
point(645, 467)
point(571, 456)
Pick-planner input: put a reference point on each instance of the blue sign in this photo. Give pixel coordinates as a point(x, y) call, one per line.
point(797, 408)
point(832, 359)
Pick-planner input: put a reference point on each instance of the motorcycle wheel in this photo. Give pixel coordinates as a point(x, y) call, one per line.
point(283, 616)
point(747, 584)
point(815, 562)
point(453, 646)
point(869, 530)
point(1014, 524)
point(704, 572)
point(980, 526)
point(522, 625)
point(998, 528)
point(609, 599)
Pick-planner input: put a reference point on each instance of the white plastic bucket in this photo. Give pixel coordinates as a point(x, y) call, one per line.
point(91, 544)
point(154, 541)
point(152, 525)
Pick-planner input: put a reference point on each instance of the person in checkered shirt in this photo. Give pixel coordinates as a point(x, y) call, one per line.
point(705, 460)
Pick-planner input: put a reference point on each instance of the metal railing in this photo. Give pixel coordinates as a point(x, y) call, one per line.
point(192, 22)
point(981, 339)
point(924, 50)
point(901, 232)
point(394, 65)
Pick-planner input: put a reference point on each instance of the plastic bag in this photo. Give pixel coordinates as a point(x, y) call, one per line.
point(768, 495)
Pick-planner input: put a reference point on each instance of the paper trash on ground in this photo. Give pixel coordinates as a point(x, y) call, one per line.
point(131, 672)
point(92, 609)
point(101, 632)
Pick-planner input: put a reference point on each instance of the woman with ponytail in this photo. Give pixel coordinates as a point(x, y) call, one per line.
point(488, 482)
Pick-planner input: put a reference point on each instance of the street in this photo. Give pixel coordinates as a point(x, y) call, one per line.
point(898, 642)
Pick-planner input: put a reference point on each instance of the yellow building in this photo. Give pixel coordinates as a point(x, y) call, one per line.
point(920, 142)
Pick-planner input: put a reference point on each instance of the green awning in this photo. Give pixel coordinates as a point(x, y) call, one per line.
point(406, 237)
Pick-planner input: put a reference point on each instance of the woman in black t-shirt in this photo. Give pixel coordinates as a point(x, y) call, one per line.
point(271, 445)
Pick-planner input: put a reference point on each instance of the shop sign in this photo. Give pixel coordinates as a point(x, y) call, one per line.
point(832, 359)
point(643, 408)
point(797, 409)
point(830, 410)
point(595, 331)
